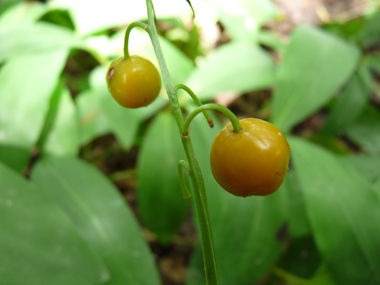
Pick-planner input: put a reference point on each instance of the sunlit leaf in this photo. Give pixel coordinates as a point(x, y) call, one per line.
point(64, 138)
point(39, 37)
point(235, 67)
point(27, 82)
point(101, 217)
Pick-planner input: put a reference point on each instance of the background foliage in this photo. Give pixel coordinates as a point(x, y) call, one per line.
point(101, 202)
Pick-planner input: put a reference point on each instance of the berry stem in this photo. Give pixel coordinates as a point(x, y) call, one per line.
point(195, 171)
point(231, 116)
point(127, 33)
point(197, 101)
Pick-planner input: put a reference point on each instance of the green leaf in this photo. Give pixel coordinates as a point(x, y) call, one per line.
point(243, 18)
point(244, 230)
point(21, 14)
point(342, 208)
point(115, 13)
point(349, 104)
point(295, 206)
point(301, 258)
point(26, 83)
point(369, 34)
point(92, 121)
point(366, 165)
point(39, 244)
point(236, 67)
point(14, 157)
point(162, 206)
point(365, 130)
point(100, 215)
point(373, 62)
point(314, 67)
point(64, 138)
point(37, 38)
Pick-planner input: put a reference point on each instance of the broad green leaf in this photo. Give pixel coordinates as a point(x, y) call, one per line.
point(115, 13)
point(237, 67)
point(243, 18)
point(366, 165)
point(100, 215)
point(342, 209)
point(21, 14)
point(349, 104)
point(39, 244)
point(14, 157)
point(92, 121)
point(26, 83)
point(295, 206)
point(365, 130)
point(314, 67)
point(39, 37)
point(244, 230)
point(162, 206)
point(64, 138)
point(124, 122)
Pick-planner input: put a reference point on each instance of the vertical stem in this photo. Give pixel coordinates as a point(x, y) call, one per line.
point(195, 171)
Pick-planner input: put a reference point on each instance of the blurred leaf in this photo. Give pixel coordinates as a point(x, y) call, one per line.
point(40, 37)
point(366, 165)
point(162, 206)
point(365, 130)
point(370, 33)
point(16, 158)
point(92, 121)
point(235, 67)
point(26, 84)
point(349, 104)
point(314, 67)
point(243, 18)
point(21, 14)
point(342, 208)
point(295, 205)
point(39, 244)
point(244, 230)
point(271, 40)
point(64, 138)
point(124, 122)
point(373, 62)
point(100, 215)
point(113, 13)
point(301, 258)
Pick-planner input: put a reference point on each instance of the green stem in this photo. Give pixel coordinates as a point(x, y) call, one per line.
point(127, 33)
point(231, 116)
point(196, 100)
point(195, 171)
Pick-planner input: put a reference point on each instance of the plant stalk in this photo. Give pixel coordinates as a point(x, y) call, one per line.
point(195, 171)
